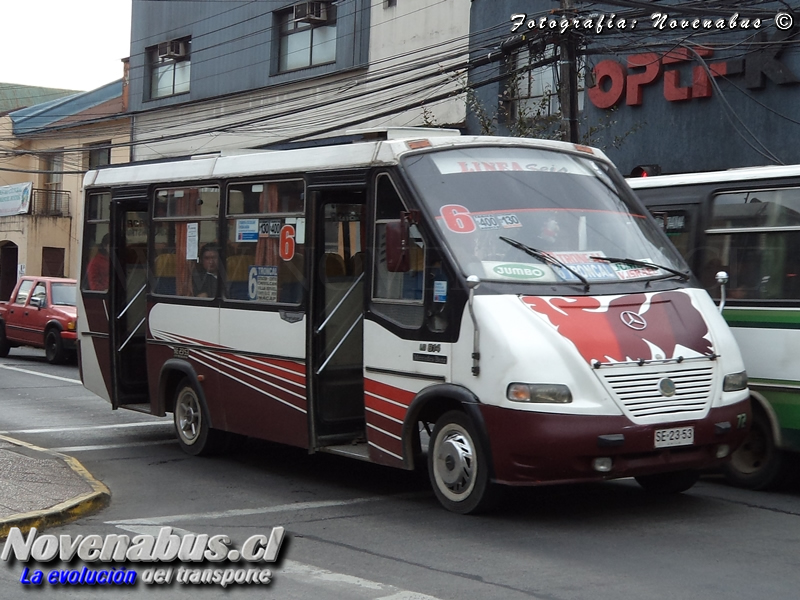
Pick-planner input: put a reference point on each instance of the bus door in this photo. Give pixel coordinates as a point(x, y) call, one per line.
point(337, 312)
point(128, 308)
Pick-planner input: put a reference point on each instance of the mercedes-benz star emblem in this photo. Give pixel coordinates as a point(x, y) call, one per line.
point(633, 320)
point(667, 387)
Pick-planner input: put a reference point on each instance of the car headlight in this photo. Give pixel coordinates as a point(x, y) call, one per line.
point(544, 393)
point(70, 325)
point(734, 382)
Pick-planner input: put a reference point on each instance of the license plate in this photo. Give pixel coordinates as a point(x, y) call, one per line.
point(677, 436)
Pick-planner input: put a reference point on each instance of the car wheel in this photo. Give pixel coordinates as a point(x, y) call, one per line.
point(194, 433)
point(54, 347)
point(458, 465)
point(668, 483)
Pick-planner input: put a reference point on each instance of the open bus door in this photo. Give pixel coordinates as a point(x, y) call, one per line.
point(336, 323)
point(128, 306)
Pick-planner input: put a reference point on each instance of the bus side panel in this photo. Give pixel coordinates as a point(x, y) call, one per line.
point(263, 383)
point(395, 371)
point(95, 349)
point(251, 363)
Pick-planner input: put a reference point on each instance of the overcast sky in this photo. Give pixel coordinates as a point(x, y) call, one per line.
point(70, 44)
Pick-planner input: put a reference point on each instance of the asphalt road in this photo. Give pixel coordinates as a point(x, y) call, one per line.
point(361, 531)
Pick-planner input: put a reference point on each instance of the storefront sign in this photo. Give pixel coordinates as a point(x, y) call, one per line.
point(616, 82)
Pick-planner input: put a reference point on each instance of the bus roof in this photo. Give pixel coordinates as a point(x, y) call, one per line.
point(244, 163)
point(742, 174)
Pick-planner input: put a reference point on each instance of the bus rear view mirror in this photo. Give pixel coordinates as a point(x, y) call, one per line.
point(397, 247)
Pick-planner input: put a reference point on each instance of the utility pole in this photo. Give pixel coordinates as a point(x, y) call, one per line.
point(568, 70)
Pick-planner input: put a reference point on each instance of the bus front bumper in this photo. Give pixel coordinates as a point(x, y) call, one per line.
point(530, 448)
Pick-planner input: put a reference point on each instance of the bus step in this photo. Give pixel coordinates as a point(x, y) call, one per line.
point(142, 408)
point(361, 451)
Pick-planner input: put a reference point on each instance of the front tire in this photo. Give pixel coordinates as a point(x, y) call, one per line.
point(190, 415)
point(668, 483)
point(758, 464)
point(458, 465)
point(54, 347)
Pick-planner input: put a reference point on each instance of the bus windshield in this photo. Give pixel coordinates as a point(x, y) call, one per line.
point(538, 216)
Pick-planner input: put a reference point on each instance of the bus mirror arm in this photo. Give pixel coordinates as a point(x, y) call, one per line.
point(722, 279)
point(473, 281)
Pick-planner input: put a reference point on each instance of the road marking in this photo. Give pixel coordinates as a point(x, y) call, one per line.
point(301, 572)
point(112, 446)
point(67, 379)
point(239, 512)
point(87, 427)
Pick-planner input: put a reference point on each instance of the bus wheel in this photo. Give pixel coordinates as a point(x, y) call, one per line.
point(758, 464)
point(54, 348)
point(668, 483)
point(457, 465)
point(191, 423)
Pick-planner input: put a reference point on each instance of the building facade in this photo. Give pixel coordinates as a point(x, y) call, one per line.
point(678, 86)
point(252, 74)
point(49, 148)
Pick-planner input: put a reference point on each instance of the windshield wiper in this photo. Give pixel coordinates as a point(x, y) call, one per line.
point(643, 263)
point(546, 258)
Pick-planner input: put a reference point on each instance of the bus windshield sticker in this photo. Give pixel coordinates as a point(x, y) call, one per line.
point(583, 264)
point(269, 227)
point(496, 221)
point(300, 229)
point(246, 230)
point(263, 283)
point(450, 163)
point(191, 240)
point(626, 271)
point(440, 291)
point(517, 271)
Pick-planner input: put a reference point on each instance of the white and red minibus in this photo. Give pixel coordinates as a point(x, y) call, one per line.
point(504, 307)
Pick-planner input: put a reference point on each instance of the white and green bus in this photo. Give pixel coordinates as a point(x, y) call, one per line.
point(746, 222)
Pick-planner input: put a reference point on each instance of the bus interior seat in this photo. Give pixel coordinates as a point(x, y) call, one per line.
point(357, 263)
point(164, 271)
point(333, 266)
point(236, 269)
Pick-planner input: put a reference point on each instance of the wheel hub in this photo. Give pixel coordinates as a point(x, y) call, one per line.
point(188, 421)
point(455, 462)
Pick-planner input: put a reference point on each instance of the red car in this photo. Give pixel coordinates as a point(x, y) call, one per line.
point(41, 313)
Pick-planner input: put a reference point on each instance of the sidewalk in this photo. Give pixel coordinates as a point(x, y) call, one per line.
point(41, 488)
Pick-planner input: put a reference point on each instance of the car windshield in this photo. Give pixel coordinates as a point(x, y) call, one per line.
point(64, 294)
point(501, 208)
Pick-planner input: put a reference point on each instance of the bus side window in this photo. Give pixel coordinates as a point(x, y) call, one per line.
point(391, 285)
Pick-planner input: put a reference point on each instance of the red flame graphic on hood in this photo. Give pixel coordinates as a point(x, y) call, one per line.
point(600, 333)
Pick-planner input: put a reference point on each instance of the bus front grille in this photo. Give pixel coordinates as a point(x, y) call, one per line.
point(641, 392)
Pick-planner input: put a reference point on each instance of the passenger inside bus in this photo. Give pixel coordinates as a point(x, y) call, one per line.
point(205, 274)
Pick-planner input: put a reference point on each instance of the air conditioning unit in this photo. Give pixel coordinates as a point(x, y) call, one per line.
point(172, 49)
point(311, 12)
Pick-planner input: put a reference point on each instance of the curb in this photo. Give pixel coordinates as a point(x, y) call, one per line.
point(64, 512)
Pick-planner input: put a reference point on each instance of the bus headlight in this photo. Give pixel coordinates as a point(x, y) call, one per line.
point(734, 382)
point(545, 393)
